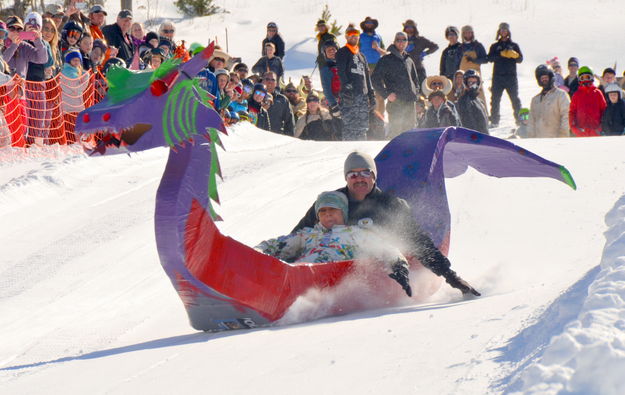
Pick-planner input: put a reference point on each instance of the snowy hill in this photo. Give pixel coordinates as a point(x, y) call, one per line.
point(86, 307)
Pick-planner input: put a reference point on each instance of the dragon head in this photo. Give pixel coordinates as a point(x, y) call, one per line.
point(165, 107)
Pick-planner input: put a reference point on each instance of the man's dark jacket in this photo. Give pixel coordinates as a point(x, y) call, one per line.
point(115, 37)
point(396, 73)
point(472, 111)
point(280, 115)
point(394, 215)
point(353, 71)
point(504, 67)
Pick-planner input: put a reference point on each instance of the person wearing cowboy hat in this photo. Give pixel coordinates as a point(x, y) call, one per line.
point(418, 47)
point(372, 47)
point(395, 79)
point(357, 98)
point(505, 54)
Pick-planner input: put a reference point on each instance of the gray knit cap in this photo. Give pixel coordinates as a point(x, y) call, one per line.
point(332, 199)
point(359, 160)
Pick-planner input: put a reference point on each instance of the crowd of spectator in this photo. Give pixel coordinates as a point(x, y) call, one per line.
point(362, 81)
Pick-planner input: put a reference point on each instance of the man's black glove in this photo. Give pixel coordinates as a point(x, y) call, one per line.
point(456, 282)
point(400, 274)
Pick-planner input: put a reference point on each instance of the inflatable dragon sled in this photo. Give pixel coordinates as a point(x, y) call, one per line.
point(225, 284)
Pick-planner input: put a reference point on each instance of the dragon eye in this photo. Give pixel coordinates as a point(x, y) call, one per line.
point(106, 117)
point(158, 88)
point(86, 118)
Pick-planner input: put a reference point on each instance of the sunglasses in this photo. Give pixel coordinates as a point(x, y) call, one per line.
point(220, 59)
point(290, 91)
point(361, 173)
point(400, 40)
point(242, 70)
point(439, 84)
point(168, 31)
point(16, 29)
point(269, 79)
point(272, 30)
point(48, 29)
point(58, 15)
point(260, 93)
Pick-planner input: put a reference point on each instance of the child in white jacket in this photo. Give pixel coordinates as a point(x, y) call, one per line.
point(331, 240)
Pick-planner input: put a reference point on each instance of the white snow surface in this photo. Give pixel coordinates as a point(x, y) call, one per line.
point(86, 308)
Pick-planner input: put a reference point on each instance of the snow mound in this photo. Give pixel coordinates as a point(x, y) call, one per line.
point(589, 356)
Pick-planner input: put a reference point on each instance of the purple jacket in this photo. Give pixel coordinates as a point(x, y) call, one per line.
point(18, 56)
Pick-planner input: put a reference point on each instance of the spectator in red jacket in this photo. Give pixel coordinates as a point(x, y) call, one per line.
point(587, 106)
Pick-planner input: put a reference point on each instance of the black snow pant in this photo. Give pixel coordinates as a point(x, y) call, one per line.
point(355, 114)
point(510, 84)
point(402, 116)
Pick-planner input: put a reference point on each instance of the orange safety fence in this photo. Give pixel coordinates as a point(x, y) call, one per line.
point(44, 113)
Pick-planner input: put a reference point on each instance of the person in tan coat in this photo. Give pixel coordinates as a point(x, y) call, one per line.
point(549, 111)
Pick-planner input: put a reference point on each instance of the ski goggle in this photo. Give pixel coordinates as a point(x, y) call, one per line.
point(524, 117)
point(586, 77)
point(247, 89)
point(74, 34)
point(362, 173)
point(260, 93)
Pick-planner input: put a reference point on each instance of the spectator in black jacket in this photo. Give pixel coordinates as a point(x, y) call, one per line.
point(418, 47)
point(440, 114)
point(471, 109)
point(118, 35)
point(258, 115)
point(392, 214)
point(280, 114)
point(269, 62)
point(613, 119)
point(395, 79)
point(275, 38)
point(451, 56)
point(357, 98)
point(571, 82)
point(505, 54)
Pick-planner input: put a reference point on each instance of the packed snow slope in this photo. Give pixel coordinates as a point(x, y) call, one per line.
point(86, 307)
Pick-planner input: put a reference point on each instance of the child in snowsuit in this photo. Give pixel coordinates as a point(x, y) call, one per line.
point(524, 119)
point(331, 240)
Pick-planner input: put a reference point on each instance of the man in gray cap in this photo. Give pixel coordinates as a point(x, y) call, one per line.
point(368, 202)
point(118, 35)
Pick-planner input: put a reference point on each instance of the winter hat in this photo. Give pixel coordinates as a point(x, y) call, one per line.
point(15, 21)
point(219, 72)
point(503, 26)
point(330, 43)
point(437, 93)
point(359, 160)
point(241, 66)
point(321, 22)
point(524, 113)
point(467, 28)
point(34, 19)
point(451, 29)
point(166, 42)
point(369, 21)
point(99, 43)
point(272, 25)
point(332, 199)
point(72, 54)
point(608, 70)
point(260, 87)
point(289, 86)
point(351, 30)
point(151, 36)
point(471, 74)
point(312, 97)
point(612, 87)
point(573, 61)
point(239, 89)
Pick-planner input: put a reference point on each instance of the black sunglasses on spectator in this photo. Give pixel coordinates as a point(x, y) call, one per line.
point(168, 31)
point(291, 91)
